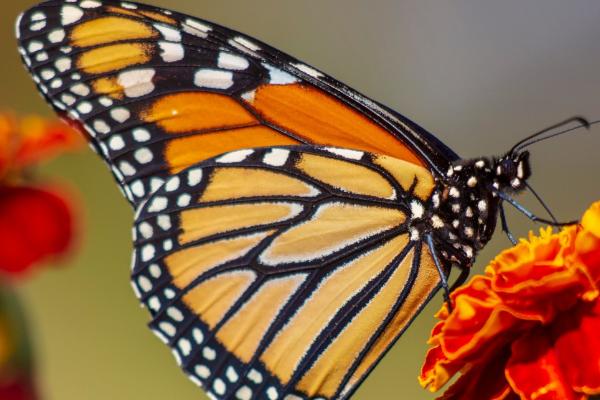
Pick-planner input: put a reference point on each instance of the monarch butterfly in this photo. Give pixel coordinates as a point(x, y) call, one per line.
point(287, 228)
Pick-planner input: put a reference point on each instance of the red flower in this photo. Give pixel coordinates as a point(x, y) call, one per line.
point(530, 327)
point(36, 221)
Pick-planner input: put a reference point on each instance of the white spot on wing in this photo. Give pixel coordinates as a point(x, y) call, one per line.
point(278, 76)
point(231, 61)
point(196, 28)
point(90, 4)
point(276, 157)
point(416, 209)
point(80, 89)
point(171, 52)
point(38, 26)
point(235, 156)
point(308, 70)
point(143, 155)
point(194, 176)
point(213, 79)
point(137, 82)
point(127, 169)
point(169, 33)
point(346, 153)
point(70, 14)
point(34, 46)
point(158, 204)
point(120, 114)
point(56, 36)
point(246, 43)
point(141, 135)
point(63, 64)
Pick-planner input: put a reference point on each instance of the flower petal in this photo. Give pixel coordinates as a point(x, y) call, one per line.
point(482, 381)
point(35, 224)
point(577, 344)
point(534, 371)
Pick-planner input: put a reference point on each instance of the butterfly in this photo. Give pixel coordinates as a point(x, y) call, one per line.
point(287, 228)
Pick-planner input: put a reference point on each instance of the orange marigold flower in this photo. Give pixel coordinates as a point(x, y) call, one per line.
point(530, 327)
point(36, 221)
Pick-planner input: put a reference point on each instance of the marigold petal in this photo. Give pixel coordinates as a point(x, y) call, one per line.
point(577, 344)
point(437, 369)
point(591, 219)
point(478, 320)
point(483, 380)
point(533, 369)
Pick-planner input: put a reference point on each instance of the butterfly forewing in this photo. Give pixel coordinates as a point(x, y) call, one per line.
point(159, 91)
point(282, 270)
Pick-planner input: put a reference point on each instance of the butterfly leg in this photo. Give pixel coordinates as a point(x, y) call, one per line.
point(505, 228)
point(528, 213)
point(440, 270)
point(464, 274)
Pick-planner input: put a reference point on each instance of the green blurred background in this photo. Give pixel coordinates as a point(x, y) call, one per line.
point(478, 74)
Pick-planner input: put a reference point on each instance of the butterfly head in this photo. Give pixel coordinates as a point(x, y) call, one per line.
point(511, 171)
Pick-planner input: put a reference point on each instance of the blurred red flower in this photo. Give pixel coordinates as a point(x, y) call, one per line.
point(528, 328)
point(36, 220)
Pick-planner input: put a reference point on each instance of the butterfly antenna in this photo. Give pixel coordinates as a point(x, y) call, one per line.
point(529, 140)
point(542, 202)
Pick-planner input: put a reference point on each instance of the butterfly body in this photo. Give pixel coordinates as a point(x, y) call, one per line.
point(287, 228)
point(464, 207)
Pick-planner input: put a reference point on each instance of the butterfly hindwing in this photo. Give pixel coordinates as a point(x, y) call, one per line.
point(283, 270)
point(159, 91)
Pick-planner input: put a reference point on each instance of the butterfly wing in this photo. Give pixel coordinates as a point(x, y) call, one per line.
point(159, 91)
point(283, 270)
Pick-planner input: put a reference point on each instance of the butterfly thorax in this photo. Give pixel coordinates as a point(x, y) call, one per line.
point(464, 207)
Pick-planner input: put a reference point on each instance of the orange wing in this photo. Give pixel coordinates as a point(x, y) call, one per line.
point(159, 91)
point(295, 286)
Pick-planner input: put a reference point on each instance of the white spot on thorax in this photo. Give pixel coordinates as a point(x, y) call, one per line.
point(482, 205)
point(437, 222)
